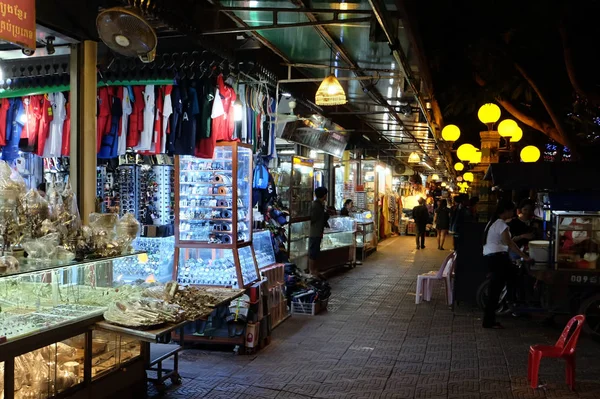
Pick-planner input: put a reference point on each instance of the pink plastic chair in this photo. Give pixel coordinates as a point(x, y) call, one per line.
point(424, 281)
point(564, 349)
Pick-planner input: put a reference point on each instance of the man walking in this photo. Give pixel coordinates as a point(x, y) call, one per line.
point(318, 221)
point(421, 217)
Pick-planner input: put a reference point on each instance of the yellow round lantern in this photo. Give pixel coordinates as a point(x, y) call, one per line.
point(468, 177)
point(530, 154)
point(507, 128)
point(465, 152)
point(451, 133)
point(444, 184)
point(459, 166)
point(489, 113)
point(518, 135)
point(476, 157)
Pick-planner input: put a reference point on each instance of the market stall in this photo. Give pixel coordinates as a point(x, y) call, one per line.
point(566, 261)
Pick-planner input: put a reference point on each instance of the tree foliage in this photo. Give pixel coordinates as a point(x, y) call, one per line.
point(531, 57)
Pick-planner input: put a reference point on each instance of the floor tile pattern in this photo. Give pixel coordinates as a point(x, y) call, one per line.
point(374, 342)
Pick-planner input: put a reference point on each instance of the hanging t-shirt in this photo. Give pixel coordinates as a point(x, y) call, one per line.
point(206, 147)
point(148, 115)
point(186, 142)
point(66, 139)
point(136, 119)
point(175, 119)
point(110, 141)
point(124, 94)
point(4, 108)
point(167, 111)
point(45, 121)
point(206, 97)
point(15, 121)
point(104, 120)
point(32, 114)
point(223, 126)
point(53, 145)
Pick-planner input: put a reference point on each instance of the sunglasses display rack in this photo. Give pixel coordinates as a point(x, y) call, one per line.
point(128, 177)
point(165, 194)
point(213, 200)
point(156, 265)
point(100, 187)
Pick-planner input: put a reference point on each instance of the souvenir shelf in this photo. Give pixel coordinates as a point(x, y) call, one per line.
point(366, 237)
point(48, 346)
point(338, 246)
point(213, 218)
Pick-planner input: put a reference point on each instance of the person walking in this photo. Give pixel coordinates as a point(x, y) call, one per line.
point(496, 243)
point(442, 222)
point(421, 217)
point(318, 222)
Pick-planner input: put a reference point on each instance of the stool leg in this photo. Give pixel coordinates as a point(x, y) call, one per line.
point(536, 358)
point(570, 371)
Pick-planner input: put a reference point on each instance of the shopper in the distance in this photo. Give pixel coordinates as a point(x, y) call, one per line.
point(421, 217)
point(318, 221)
point(442, 222)
point(496, 243)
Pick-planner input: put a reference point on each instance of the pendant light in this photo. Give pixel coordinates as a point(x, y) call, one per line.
point(330, 92)
point(414, 158)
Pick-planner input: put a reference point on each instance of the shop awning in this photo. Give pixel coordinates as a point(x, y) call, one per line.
point(551, 176)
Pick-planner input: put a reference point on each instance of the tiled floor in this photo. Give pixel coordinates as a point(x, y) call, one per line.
point(374, 342)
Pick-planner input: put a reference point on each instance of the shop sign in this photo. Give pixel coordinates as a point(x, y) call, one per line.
point(584, 279)
point(17, 22)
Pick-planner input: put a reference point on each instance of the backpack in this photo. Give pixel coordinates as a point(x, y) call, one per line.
point(260, 177)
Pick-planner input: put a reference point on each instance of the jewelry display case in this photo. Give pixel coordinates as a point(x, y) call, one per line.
point(366, 239)
point(338, 246)
point(297, 234)
point(47, 344)
point(263, 248)
point(213, 218)
point(156, 265)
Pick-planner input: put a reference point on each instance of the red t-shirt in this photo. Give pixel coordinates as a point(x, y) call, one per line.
point(104, 107)
point(33, 112)
point(44, 127)
point(4, 106)
point(66, 138)
point(136, 119)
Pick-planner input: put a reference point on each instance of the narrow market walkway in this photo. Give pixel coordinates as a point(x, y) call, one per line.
point(374, 342)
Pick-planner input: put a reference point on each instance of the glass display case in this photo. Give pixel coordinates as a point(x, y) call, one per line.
point(263, 248)
point(577, 239)
point(366, 239)
point(296, 186)
point(213, 218)
point(297, 234)
point(155, 265)
point(46, 319)
point(370, 185)
point(213, 196)
point(339, 234)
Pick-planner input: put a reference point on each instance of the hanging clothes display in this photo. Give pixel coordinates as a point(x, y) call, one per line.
point(167, 111)
point(125, 94)
point(53, 145)
point(109, 145)
point(4, 108)
point(66, 140)
point(103, 114)
point(175, 119)
point(136, 119)
point(147, 132)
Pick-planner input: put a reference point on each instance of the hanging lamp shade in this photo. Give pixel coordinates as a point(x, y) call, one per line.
point(435, 177)
point(459, 166)
point(465, 152)
point(517, 136)
point(489, 113)
point(468, 176)
point(507, 128)
point(450, 133)
point(330, 92)
point(444, 184)
point(414, 158)
point(530, 154)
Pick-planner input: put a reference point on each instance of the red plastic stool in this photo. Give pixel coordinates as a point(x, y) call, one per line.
point(563, 348)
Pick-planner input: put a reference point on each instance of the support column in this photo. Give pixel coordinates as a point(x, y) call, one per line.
point(83, 126)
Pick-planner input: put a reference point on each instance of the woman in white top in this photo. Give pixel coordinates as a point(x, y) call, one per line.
point(497, 241)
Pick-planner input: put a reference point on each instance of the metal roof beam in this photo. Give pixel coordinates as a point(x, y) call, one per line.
point(335, 12)
point(248, 28)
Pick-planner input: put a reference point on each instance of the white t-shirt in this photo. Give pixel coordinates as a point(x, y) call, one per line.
point(127, 109)
point(166, 113)
point(494, 243)
point(148, 132)
point(53, 145)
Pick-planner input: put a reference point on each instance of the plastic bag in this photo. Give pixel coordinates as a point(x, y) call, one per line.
point(8, 263)
point(128, 229)
point(104, 237)
point(70, 205)
point(43, 248)
point(35, 211)
point(55, 202)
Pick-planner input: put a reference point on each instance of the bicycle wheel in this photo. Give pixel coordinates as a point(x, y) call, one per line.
point(590, 308)
point(482, 298)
